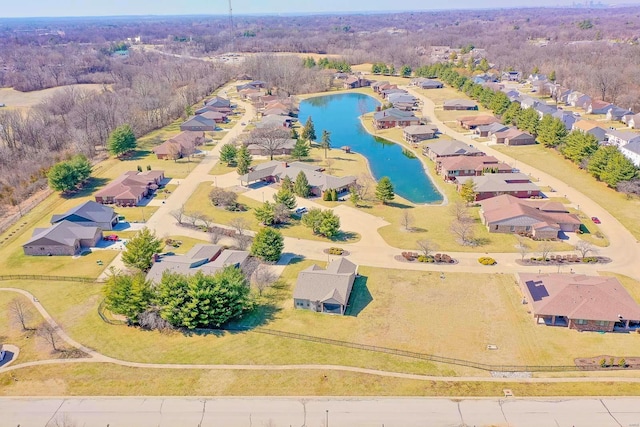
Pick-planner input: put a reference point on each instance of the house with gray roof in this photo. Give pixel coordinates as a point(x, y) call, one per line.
point(621, 138)
point(416, 133)
point(62, 238)
point(394, 117)
point(529, 102)
point(495, 184)
point(202, 257)
point(459, 104)
point(325, 290)
point(618, 113)
point(632, 152)
point(218, 102)
point(423, 83)
point(90, 214)
point(565, 117)
point(545, 110)
point(198, 123)
point(449, 148)
point(488, 130)
point(319, 182)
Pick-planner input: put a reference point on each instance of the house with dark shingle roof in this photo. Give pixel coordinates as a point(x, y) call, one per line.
point(621, 138)
point(417, 133)
point(453, 167)
point(459, 104)
point(495, 184)
point(513, 136)
point(541, 219)
point(179, 145)
point(130, 187)
point(632, 152)
point(393, 117)
point(62, 238)
point(90, 214)
point(325, 291)
point(449, 148)
point(578, 301)
point(198, 123)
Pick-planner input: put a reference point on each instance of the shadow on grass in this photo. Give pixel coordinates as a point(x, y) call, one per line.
point(399, 205)
point(344, 236)
point(481, 241)
point(136, 155)
point(88, 189)
point(360, 297)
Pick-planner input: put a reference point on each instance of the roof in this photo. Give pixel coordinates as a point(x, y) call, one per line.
point(510, 210)
point(599, 105)
point(182, 140)
point(586, 125)
point(492, 128)
point(281, 169)
point(624, 135)
point(481, 120)
point(477, 163)
point(202, 257)
point(130, 184)
point(393, 114)
point(334, 283)
point(64, 233)
point(460, 103)
point(88, 211)
point(451, 147)
point(420, 129)
point(217, 101)
point(213, 115)
point(497, 182)
point(578, 296)
point(199, 120)
point(402, 97)
point(633, 147)
point(512, 133)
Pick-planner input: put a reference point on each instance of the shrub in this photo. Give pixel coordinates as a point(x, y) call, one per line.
point(422, 258)
point(622, 363)
point(590, 259)
point(485, 260)
point(336, 251)
point(603, 363)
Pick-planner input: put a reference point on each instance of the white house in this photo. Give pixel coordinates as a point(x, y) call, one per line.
point(632, 152)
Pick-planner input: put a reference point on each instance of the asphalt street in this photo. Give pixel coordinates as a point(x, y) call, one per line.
point(317, 412)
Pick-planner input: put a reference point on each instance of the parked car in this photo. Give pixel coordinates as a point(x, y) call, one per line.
point(301, 210)
point(595, 220)
point(112, 238)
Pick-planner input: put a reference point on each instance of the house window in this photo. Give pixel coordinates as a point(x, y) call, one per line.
point(528, 228)
point(601, 323)
point(581, 322)
point(495, 227)
point(512, 228)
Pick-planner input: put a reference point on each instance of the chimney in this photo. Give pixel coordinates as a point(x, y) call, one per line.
point(285, 164)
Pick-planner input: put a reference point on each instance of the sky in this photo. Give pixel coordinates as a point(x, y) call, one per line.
point(30, 8)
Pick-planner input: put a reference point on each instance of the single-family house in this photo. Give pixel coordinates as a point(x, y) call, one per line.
point(485, 131)
point(496, 87)
point(416, 133)
point(592, 128)
point(565, 117)
point(224, 110)
point(325, 290)
point(216, 116)
point(513, 136)
point(353, 82)
point(204, 258)
point(393, 117)
point(512, 76)
point(254, 84)
point(632, 152)
point(621, 138)
point(541, 219)
point(275, 112)
point(403, 101)
point(618, 113)
point(472, 122)
point(545, 110)
point(578, 301)
point(388, 92)
point(452, 167)
point(198, 123)
point(536, 77)
point(597, 107)
point(634, 121)
point(423, 83)
point(275, 121)
point(529, 102)
point(179, 145)
point(578, 99)
point(130, 187)
point(284, 147)
point(89, 214)
point(562, 95)
point(495, 184)
point(62, 238)
point(449, 148)
point(218, 101)
point(459, 104)
point(319, 182)
point(376, 86)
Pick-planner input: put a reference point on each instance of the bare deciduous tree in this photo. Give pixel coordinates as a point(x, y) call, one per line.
point(263, 277)
point(406, 220)
point(243, 241)
point(461, 211)
point(193, 218)
point(270, 139)
point(49, 334)
point(179, 214)
point(363, 185)
point(207, 221)
point(216, 235)
point(545, 250)
point(585, 248)
point(523, 247)
point(239, 225)
point(426, 246)
point(20, 312)
point(464, 231)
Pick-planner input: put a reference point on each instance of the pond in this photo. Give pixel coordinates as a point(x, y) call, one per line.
point(340, 115)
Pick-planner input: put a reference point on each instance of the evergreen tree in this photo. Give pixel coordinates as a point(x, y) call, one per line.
point(265, 213)
point(551, 131)
point(324, 223)
point(301, 186)
point(286, 184)
point(203, 301)
point(286, 197)
point(228, 153)
point(617, 169)
point(384, 190)
point(528, 120)
point(294, 134)
point(334, 195)
point(552, 76)
point(484, 65)
point(66, 176)
point(326, 141)
point(300, 149)
point(128, 295)
point(405, 71)
point(309, 130)
point(579, 146)
point(243, 160)
point(140, 250)
point(599, 159)
point(354, 196)
point(268, 245)
point(511, 114)
point(121, 141)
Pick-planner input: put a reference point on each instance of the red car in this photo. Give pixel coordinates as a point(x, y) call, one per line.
point(595, 220)
point(111, 237)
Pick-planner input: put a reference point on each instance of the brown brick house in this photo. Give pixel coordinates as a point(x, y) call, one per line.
point(62, 238)
point(129, 188)
point(495, 184)
point(452, 167)
point(178, 145)
point(578, 301)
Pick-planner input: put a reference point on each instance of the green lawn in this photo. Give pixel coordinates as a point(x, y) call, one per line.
point(185, 244)
point(627, 211)
point(199, 201)
point(100, 379)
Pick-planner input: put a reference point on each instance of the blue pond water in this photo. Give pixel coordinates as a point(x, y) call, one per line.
point(339, 114)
